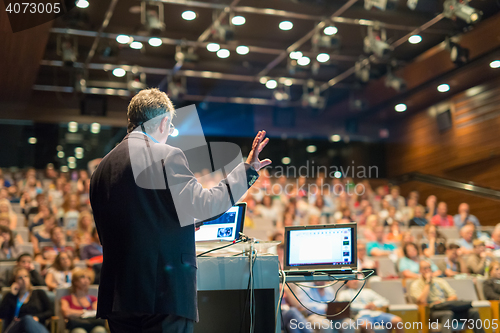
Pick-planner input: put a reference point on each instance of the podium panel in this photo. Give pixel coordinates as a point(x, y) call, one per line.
point(224, 297)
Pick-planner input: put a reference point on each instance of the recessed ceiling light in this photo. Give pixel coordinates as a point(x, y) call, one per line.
point(335, 138)
point(331, 30)
point(304, 61)
point(242, 49)
point(136, 45)
point(271, 84)
point(95, 128)
point(288, 82)
point(82, 4)
point(400, 107)
point(286, 25)
point(223, 53)
point(311, 149)
point(286, 160)
point(119, 72)
point(64, 168)
point(32, 140)
point(60, 154)
point(238, 20)
point(263, 80)
point(495, 64)
point(213, 47)
point(296, 55)
point(323, 57)
point(188, 15)
point(443, 87)
point(155, 41)
point(123, 39)
point(415, 39)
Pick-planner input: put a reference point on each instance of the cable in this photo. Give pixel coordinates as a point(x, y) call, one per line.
point(282, 292)
point(322, 302)
point(350, 302)
point(242, 238)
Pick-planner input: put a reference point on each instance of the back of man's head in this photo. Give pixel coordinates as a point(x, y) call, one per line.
point(146, 105)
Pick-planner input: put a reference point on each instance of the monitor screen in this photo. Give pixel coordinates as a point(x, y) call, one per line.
point(226, 227)
point(321, 246)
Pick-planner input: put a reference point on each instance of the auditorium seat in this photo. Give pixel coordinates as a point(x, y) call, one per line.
point(386, 267)
point(24, 232)
point(27, 248)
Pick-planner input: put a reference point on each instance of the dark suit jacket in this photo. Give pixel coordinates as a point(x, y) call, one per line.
point(149, 258)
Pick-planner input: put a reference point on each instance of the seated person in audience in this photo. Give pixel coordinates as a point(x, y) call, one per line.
point(467, 237)
point(49, 253)
point(430, 207)
point(419, 217)
point(453, 264)
point(409, 265)
point(364, 262)
point(407, 237)
point(395, 234)
point(369, 230)
point(463, 217)
point(379, 247)
point(6, 208)
point(267, 210)
point(43, 213)
point(365, 307)
point(79, 306)
point(479, 258)
point(70, 211)
point(395, 199)
point(393, 217)
point(94, 249)
point(442, 218)
point(24, 308)
point(41, 233)
point(25, 261)
point(59, 274)
point(494, 243)
point(429, 290)
point(433, 242)
point(313, 301)
point(83, 234)
point(8, 246)
point(491, 287)
point(4, 221)
point(313, 219)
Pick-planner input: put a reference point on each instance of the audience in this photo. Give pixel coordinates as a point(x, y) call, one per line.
point(433, 243)
point(419, 217)
point(463, 217)
point(409, 265)
point(467, 234)
point(442, 218)
point(94, 249)
point(49, 253)
point(59, 274)
point(8, 247)
point(25, 261)
point(491, 287)
point(35, 306)
point(83, 234)
point(479, 258)
point(379, 247)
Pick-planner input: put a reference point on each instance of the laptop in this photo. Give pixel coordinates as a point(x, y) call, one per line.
point(226, 227)
point(320, 248)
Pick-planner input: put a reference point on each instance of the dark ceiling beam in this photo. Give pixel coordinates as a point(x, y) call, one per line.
point(172, 41)
point(301, 16)
point(283, 55)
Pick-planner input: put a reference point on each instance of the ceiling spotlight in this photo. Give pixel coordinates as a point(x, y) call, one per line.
point(73, 126)
point(331, 30)
point(59, 148)
point(375, 42)
point(286, 160)
point(458, 54)
point(60, 154)
point(443, 87)
point(304, 61)
point(311, 149)
point(119, 72)
point(286, 25)
point(82, 4)
point(71, 159)
point(400, 107)
point(281, 94)
point(288, 82)
point(242, 49)
point(238, 20)
point(32, 140)
point(337, 174)
point(223, 53)
point(263, 80)
point(95, 128)
point(188, 15)
point(495, 64)
point(213, 47)
point(64, 168)
point(415, 39)
point(323, 57)
point(335, 138)
point(136, 45)
point(123, 39)
point(271, 84)
point(155, 41)
point(455, 8)
point(296, 55)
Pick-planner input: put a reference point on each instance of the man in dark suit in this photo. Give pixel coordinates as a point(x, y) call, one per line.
point(145, 199)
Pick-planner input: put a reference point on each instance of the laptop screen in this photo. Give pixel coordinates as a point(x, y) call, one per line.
point(321, 247)
point(227, 227)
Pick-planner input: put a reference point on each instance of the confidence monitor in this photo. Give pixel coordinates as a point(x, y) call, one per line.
point(321, 248)
point(226, 227)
